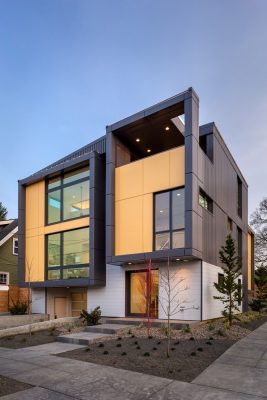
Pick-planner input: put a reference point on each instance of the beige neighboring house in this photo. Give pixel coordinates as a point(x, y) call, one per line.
point(8, 263)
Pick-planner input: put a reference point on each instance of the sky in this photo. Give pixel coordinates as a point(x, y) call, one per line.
point(68, 68)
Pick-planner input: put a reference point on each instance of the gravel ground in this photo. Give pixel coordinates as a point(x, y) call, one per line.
point(189, 357)
point(8, 386)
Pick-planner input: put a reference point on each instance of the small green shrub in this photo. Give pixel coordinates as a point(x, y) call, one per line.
point(146, 354)
point(133, 336)
point(200, 349)
point(138, 347)
point(192, 338)
point(119, 338)
point(173, 348)
point(256, 304)
point(155, 348)
point(129, 332)
point(136, 342)
point(18, 308)
point(221, 332)
point(193, 353)
point(105, 352)
point(101, 345)
point(176, 343)
point(170, 371)
point(88, 349)
point(209, 343)
point(211, 327)
point(91, 318)
point(159, 342)
point(118, 345)
point(211, 338)
point(124, 353)
point(150, 337)
point(187, 329)
point(23, 340)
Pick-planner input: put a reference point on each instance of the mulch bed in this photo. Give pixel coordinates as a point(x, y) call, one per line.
point(251, 325)
point(189, 357)
point(8, 386)
point(25, 340)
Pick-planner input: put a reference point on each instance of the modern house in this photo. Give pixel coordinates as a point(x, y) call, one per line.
point(156, 188)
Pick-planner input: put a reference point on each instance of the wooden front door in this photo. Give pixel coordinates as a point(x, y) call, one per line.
point(60, 307)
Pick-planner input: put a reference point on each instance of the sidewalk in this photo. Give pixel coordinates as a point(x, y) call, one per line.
point(239, 374)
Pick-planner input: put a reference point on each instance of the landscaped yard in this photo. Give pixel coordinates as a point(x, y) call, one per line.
point(8, 386)
point(191, 351)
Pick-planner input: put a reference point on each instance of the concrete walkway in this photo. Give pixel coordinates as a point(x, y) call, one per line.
point(239, 374)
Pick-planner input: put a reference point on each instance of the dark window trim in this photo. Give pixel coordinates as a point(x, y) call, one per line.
point(170, 231)
point(239, 197)
point(61, 267)
point(61, 188)
point(209, 200)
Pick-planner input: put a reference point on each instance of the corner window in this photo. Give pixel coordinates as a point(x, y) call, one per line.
point(68, 254)
point(220, 278)
point(239, 197)
point(15, 246)
point(68, 196)
point(205, 201)
point(206, 144)
point(169, 219)
point(4, 278)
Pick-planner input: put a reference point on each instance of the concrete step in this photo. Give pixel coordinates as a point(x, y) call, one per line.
point(138, 321)
point(107, 328)
point(82, 338)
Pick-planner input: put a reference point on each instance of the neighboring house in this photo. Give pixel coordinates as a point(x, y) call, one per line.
point(8, 259)
point(157, 186)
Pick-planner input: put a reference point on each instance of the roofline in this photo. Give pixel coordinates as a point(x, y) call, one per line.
point(6, 221)
point(178, 98)
point(8, 236)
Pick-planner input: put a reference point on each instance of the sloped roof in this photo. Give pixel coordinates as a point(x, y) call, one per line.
point(7, 230)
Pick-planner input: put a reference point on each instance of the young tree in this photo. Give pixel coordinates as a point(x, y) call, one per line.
point(228, 285)
point(261, 284)
point(171, 297)
point(259, 224)
point(3, 212)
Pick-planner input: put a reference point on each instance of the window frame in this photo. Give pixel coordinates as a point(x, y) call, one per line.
point(15, 247)
point(61, 188)
point(170, 231)
point(239, 203)
point(207, 199)
point(7, 278)
point(62, 267)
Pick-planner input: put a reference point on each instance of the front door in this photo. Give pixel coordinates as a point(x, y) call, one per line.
point(60, 307)
point(143, 293)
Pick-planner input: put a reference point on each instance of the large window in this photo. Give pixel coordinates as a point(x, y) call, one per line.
point(68, 196)
point(169, 219)
point(68, 254)
point(205, 201)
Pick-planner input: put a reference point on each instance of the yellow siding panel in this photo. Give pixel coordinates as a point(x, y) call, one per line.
point(135, 184)
point(177, 167)
point(129, 180)
point(148, 222)
point(128, 235)
point(156, 172)
point(67, 225)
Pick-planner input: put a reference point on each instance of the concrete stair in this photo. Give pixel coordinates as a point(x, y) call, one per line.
point(91, 333)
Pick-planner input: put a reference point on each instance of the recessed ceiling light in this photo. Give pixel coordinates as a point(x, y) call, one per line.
point(149, 150)
point(178, 194)
point(177, 259)
point(129, 263)
point(137, 140)
point(167, 128)
point(161, 211)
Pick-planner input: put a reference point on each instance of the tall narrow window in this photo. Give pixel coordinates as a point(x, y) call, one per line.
point(169, 220)
point(239, 197)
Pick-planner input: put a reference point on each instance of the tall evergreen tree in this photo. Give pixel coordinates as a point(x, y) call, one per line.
point(228, 285)
point(3, 212)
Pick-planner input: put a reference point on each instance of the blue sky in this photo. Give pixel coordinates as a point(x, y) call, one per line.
point(68, 68)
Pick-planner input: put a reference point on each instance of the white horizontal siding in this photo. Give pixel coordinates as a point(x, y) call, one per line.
point(188, 300)
point(38, 301)
point(110, 298)
point(212, 308)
